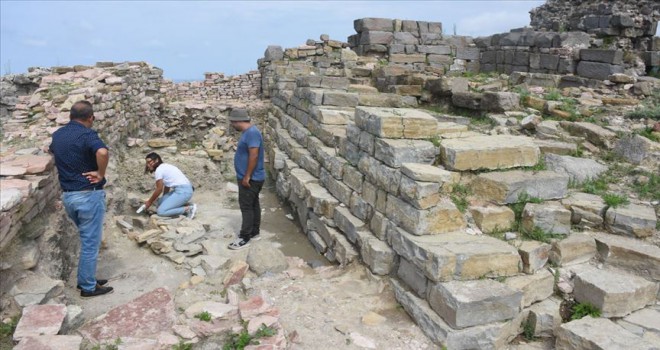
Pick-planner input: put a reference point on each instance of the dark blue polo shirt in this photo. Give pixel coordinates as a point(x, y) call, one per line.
point(74, 147)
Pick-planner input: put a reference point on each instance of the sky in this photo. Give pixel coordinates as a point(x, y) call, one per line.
point(188, 38)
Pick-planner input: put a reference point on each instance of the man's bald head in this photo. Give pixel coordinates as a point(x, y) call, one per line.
point(81, 110)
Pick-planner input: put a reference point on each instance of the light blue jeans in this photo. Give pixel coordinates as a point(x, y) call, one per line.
point(174, 202)
point(87, 210)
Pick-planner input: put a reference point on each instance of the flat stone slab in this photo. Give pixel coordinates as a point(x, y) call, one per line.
point(614, 293)
point(144, 317)
point(629, 253)
point(442, 218)
point(489, 152)
point(471, 303)
point(579, 170)
point(644, 323)
point(587, 209)
point(597, 333)
point(456, 255)
point(505, 187)
point(575, 249)
point(637, 220)
point(535, 287)
point(491, 336)
point(32, 164)
point(396, 122)
point(50, 342)
point(40, 320)
point(395, 152)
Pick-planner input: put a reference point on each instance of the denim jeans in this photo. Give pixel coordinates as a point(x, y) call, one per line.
point(248, 201)
point(87, 210)
point(174, 202)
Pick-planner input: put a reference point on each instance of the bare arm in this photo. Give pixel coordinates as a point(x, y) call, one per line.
point(157, 192)
point(102, 157)
point(253, 157)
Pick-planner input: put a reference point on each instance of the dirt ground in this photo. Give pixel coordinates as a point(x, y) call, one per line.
point(324, 308)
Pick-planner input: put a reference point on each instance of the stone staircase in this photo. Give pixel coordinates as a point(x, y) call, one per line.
point(358, 167)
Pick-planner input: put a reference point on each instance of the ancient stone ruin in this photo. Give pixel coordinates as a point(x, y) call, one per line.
point(498, 184)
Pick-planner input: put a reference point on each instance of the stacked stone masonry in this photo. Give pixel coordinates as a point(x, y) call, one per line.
point(216, 87)
point(126, 96)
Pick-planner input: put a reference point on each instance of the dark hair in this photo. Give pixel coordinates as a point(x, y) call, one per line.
point(155, 157)
point(81, 110)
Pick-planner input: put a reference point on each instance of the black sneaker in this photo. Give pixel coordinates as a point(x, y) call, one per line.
point(239, 244)
point(96, 292)
point(99, 283)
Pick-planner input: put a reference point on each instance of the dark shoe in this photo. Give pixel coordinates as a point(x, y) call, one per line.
point(99, 283)
point(239, 244)
point(96, 292)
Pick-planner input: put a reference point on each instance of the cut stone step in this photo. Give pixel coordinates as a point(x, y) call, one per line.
point(489, 152)
point(490, 336)
point(644, 323)
point(629, 253)
point(598, 334)
point(575, 249)
point(614, 293)
point(465, 304)
point(396, 122)
point(456, 255)
point(505, 187)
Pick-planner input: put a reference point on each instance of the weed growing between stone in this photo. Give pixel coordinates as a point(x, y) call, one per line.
point(647, 186)
point(111, 346)
point(581, 310)
point(182, 346)
point(650, 109)
point(7, 333)
point(523, 199)
point(528, 331)
point(241, 340)
point(204, 316)
point(648, 133)
point(614, 200)
point(459, 196)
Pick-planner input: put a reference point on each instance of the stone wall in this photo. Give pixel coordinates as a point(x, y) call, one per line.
point(414, 43)
point(126, 98)
point(216, 87)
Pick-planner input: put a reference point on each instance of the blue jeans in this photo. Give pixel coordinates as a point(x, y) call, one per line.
point(174, 202)
point(87, 210)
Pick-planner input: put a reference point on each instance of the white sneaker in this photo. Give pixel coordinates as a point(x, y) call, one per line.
point(191, 211)
point(239, 243)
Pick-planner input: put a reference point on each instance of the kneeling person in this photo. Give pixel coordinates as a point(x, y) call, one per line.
point(175, 186)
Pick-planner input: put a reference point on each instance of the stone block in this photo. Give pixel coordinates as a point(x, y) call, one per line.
point(381, 175)
point(575, 249)
point(49, 342)
point(614, 293)
point(349, 224)
point(489, 152)
point(550, 217)
point(644, 323)
point(413, 277)
point(491, 336)
point(597, 70)
point(395, 122)
point(442, 218)
point(455, 255)
point(320, 200)
point(471, 303)
point(544, 318)
point(373, 24)
point(340, 98)
point(422, 195)
point(597, 333)
point(490, 218)
point(500, 101)
point(426, 173)
point(587, 210)
point(629, 253)
point(40, 320)
point(469, 100)
point(600, 55)
point(637, 220)
point(534, 255)
point(535, 287)
point(371, 38)
point(394, 152)
point(376, 254)
point(506, 187)
point(579, 170)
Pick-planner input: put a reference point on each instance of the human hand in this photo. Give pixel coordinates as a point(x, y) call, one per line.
point(246, 182)
point(93, 176)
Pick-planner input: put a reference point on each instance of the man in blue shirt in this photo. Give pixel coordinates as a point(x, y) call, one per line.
point(81, 159)
point(250, 173)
